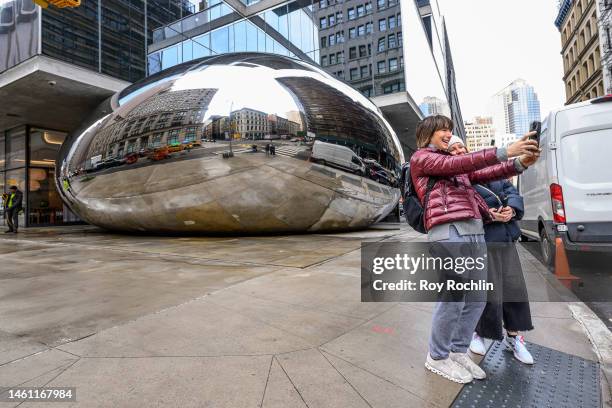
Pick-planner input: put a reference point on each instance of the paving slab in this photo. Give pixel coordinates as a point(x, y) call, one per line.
point(280, 392)
point(318, 382)
point(164, 382)
point(197, 328)
point(314, 326)
point(377, 391)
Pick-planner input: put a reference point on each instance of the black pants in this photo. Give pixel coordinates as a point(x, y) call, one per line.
point(509, 303)
point(12, 219)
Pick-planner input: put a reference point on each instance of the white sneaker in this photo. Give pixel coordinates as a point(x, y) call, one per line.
point(477, 345)
point(448, 369)
point(517, 346)
point(466, 362)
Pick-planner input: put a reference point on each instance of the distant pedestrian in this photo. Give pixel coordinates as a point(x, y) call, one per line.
point(267, 149)
point(273, 149)
point(12, 206)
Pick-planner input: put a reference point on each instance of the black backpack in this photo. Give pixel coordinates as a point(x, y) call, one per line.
point(413, 210)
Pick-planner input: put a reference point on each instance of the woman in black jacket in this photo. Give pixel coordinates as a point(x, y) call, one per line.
point(509, 303)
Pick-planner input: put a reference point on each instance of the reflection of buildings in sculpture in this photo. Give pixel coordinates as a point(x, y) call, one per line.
point(250, 123)
point(170, 117)
point(282, 127)
point(247, 123)
point(333, 117)
point(217, 127)
point(434, 106)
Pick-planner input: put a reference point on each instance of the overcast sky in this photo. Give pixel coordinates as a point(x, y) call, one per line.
point(497, 41)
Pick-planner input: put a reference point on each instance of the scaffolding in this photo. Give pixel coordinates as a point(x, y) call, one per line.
point(605, 29)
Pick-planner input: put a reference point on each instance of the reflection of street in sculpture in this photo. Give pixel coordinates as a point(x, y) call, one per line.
point(308, 152)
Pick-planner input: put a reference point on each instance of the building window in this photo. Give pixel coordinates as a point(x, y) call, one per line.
point(332, 59)
point(362, 51)
point(324, 61)
point(364, 72)
point(323, 42)
point(381, 44)
point(340, 74)
point(393, 64)
point(351, 14)
point(173, 137)
point(399, 39)
point(190, 134)
point(382, 67)
point(322, 3)
point(323, 22)
point(361, 30)
point(353, 73)
point(368, 28)
point(391, 22)
point(399, 19)
point(352, 32)
point(340, 57)
point(332, 20)
point(392, 43)
point(339, 17)
point(368, 8)
point(382, 25)
point(367, 91)
point(339, 37)
point(352, 52)
point(401, 58)
point(381, 4)
point(331, 39)
point(395, 87)
point(360, 11)
point(369, 49)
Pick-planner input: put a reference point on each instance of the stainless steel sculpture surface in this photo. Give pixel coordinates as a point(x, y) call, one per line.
point(244, 142)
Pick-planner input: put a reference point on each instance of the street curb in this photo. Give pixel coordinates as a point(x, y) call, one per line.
point(601, 339)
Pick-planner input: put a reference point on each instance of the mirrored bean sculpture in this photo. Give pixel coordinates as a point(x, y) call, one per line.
point(235, 143)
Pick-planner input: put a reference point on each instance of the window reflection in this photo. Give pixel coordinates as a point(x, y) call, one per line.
point(15, 148)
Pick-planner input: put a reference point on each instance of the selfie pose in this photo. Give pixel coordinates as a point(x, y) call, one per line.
point(454, 212)
point(509, 303)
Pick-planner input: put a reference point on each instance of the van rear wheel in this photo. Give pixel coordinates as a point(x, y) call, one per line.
point(547, 248)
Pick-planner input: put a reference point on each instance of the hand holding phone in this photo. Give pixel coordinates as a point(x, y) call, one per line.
point(536, 126)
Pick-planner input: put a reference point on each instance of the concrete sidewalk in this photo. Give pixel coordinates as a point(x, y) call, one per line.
point(233, 322)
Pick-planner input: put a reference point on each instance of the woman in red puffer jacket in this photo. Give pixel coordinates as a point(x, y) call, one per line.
point(456, 213)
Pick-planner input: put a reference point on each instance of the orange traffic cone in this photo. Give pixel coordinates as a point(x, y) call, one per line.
point(562, 269)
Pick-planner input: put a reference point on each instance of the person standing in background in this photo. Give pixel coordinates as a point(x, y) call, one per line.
point(12, 206)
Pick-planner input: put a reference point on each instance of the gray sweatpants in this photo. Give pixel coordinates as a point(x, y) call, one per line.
point(454, 322)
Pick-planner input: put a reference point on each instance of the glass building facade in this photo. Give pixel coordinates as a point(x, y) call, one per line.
point(524, 109)
point(288, 30)
point(27, 161)
point(108, 36)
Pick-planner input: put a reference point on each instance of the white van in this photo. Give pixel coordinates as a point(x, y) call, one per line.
point(337, 156)
point(568, 192)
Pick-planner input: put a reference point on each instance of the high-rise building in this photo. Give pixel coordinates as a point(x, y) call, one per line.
point(479, 134)
point(369, 53)
point(585, 73)
point(514, 108)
